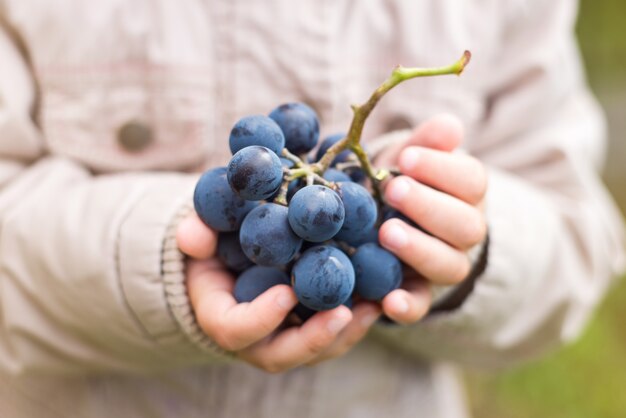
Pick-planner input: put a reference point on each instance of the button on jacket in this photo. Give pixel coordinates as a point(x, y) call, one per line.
point(108, 111)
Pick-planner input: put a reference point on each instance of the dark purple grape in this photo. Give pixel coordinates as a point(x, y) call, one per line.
point(255, 173)
point(336, 176)
point(356, 174)
point(230, 252)
point(266, 237)
point(256, 280)
point(328, 142)
point(361, 211)
point(377, 271)
point(369, 236)
point(216, 203)
point(300, 126)
point(316, 213)
point(256, 130)
point(286, 163)
point(323, 278)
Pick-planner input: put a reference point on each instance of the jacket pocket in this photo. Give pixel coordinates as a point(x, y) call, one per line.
point(130, 116)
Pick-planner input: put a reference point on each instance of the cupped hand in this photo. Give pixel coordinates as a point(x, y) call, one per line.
point(442, 191)
point(254, 331)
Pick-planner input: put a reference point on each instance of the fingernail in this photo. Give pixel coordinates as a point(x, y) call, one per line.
point(395, 237)
point(409, 159)
point(397, 190)
point(369, 319)
point(336, 324)
point(402, 306)
point(284, 301)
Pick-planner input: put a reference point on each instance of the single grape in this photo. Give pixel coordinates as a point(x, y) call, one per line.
point(256, 130)
point(323, 278)
point(328, 142)
point(316, 213)
point(230, 252)
point(336, 175)
point(216, 203)
point(371, 235)
point(255, 173)
point(286, 163)
point(356, 174)
point(361, 211)
point(377, 271)
point(256, 280)
point(266, 237)
point(300, 126)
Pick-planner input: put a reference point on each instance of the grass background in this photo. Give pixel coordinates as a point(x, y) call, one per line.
point(588, 378)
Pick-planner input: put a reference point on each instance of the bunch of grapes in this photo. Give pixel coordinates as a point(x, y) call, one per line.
point(286, 221)
point(287, 218)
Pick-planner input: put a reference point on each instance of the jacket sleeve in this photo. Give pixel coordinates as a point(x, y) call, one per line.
point(556, 238)
point(90, 275)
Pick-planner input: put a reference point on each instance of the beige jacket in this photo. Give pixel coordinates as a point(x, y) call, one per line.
point(109, 108)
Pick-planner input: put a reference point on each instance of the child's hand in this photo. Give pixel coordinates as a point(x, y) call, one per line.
point(442, 192)
point(251, 330)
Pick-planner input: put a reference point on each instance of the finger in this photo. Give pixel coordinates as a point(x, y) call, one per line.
point(388, 157)
point(443, 132)
point(408, 305)
point(298, 345)
point(196, 239)
point(204, 276)
point(233, 325)
point(444, 216)
point(427, 255)
point(364, 315)
point(458, 174)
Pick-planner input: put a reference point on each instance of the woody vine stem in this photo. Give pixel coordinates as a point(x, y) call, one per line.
point(352, 141)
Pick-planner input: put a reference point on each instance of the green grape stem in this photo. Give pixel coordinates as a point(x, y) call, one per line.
point(303, 170)
point(347, 165)
point(297, 161)
point(281, 199)
point(313, 172)
point(352, 141)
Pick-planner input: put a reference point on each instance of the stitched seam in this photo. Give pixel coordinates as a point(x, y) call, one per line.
point(118, 270)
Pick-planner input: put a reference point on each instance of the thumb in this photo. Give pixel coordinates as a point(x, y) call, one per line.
point(196, 239)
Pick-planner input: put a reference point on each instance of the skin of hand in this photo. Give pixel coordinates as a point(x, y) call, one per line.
point(253, 331)
point(443, 192)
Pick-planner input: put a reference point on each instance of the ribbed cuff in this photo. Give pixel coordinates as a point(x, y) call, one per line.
point(173, 269)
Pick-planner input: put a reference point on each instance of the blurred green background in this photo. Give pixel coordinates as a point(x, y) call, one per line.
point(588, 378)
